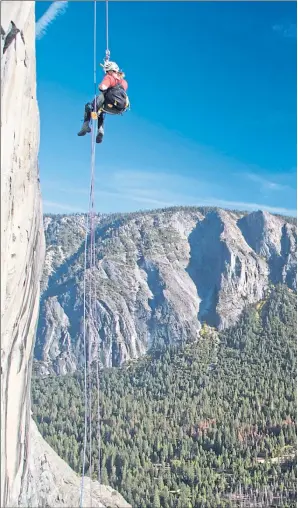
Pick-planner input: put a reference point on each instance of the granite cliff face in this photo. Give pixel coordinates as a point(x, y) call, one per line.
point(22, 242)
point(159, 275)
point(31, 472)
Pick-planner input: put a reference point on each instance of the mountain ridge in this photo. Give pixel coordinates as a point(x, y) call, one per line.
point(159, 275)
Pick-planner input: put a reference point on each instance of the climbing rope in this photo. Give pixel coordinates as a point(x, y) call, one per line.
point(85, 361)
point(107, 57)
point(87, 344)
point(92, 258)
point(91, 295)
point(87, 341)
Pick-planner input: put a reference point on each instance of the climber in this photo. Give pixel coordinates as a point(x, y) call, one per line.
point(112, 99)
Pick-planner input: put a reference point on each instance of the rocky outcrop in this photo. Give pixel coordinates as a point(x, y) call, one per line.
point(31, 473)
point(143, 292)
point(159, 275)
point(275, 241)
point(227, 273)
point(58, 485)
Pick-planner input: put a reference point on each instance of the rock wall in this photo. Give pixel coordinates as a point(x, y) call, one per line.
point(32, 474)
point(22, 241)
point(52, 483)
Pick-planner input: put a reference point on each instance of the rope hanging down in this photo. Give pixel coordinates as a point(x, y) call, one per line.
point(107, 57)
point(97, 352)
point(87, 342)
point(87, 331)
point(85, 364)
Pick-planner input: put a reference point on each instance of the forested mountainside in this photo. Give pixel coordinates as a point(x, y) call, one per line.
point(159, 275)
point(210, 422)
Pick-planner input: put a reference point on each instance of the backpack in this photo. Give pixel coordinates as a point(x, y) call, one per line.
point(115, 99)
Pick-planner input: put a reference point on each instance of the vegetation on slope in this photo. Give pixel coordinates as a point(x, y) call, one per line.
point(200, 424)
point(110, 218)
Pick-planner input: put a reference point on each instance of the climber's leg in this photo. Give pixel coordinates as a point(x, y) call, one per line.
point(87, 117)
point(100, 129)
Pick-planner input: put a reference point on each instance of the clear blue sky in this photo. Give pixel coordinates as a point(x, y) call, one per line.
point(213, 93)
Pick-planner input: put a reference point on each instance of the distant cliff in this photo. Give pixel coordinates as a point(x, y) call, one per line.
point(159, 275)
point(32, 474)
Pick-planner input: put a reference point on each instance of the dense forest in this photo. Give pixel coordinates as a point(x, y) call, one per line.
point(210, 423)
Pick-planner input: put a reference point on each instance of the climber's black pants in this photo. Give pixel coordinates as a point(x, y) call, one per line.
point(89, 107)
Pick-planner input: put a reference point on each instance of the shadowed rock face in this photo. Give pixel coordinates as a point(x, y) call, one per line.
point(32, 474)
point(158, 276)
point(208, 255)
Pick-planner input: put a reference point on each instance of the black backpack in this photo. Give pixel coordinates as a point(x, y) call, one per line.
point(115, 99)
